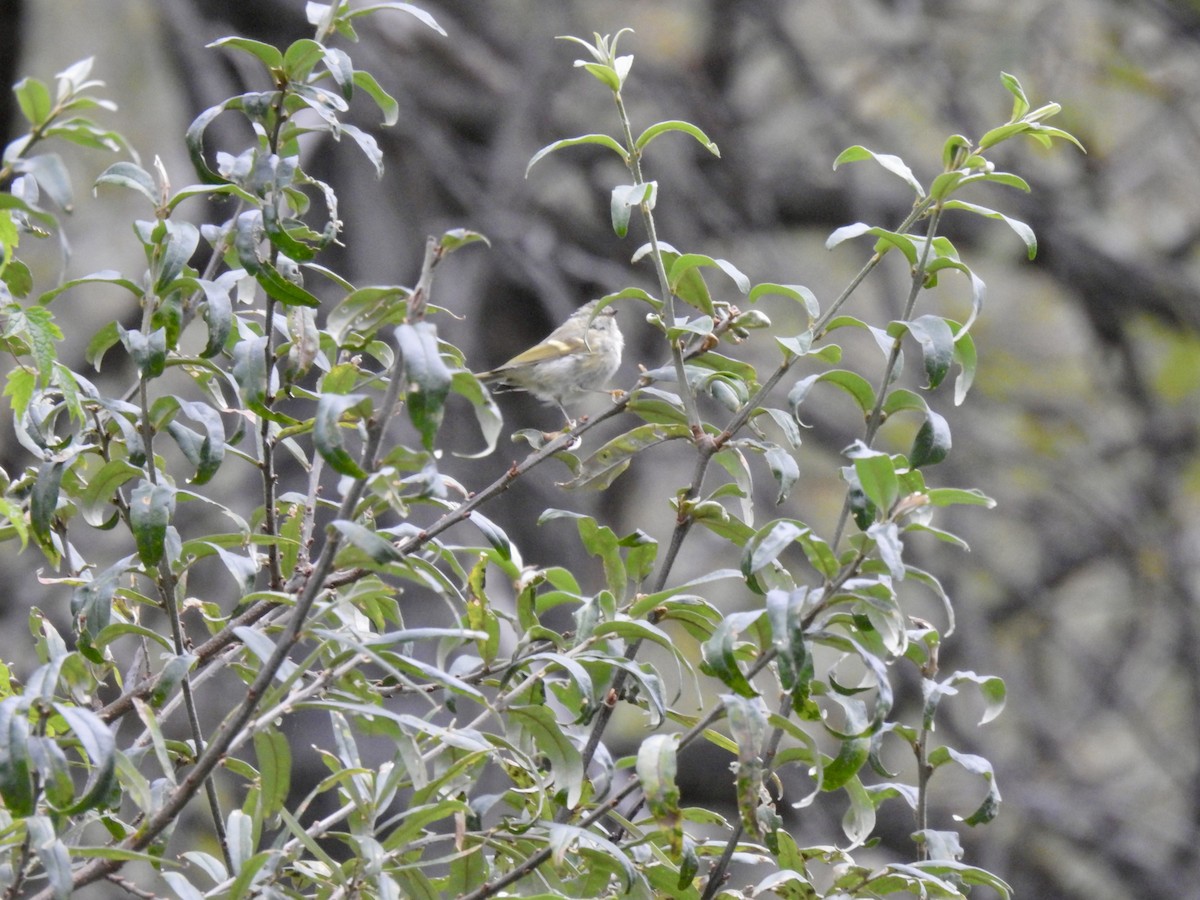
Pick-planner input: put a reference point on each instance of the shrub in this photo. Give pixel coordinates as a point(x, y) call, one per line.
point(496, 772)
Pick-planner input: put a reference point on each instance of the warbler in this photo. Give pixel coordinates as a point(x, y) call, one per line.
point(579, 356)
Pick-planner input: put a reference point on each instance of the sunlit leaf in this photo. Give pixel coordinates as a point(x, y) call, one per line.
point(893, 164)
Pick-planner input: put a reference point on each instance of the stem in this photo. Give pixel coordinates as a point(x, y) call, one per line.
point(921, 813)
point(717, 874)
point(921, 749)
point(705, 446)
point(266, 442)
point(664, 286)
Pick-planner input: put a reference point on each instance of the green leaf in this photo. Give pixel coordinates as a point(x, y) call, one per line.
point(719, 653)
point(600, 541)
point(572, 842)
point(411, 9)
point(42, 334)
point(901, 400)
point(285, 236)
point(50, 172)
point(748, 727)
point(937, 345)
point(132, 176)
point(195, 141)
point(646, 602)
point(378, 548)
point(850, 382)
point(965, 356)
point(797, 292)
point(365, 311)
point(248, 234)
point(932, 442)
point(886, 239)
point(1005, 178)
point(206, 453)
point(151, 508)
point(602, 140)
point(91, 602)
point(1002, 133)
point(876, 475)
point(487, 414)
point(457, 238)
point(218, 316)
point(656, 769)
point(566, 765)
point(886, 536)
point(1023, 231)
point(954, 151)
point(843, 769)
point(976, 765)
point(951, 496)
point(52, 854)
point(470, 868)
point(99, 747)
point(785, 614)
point(20, 384)
point(1020, 101)
point(991, 687)
point(243, 569)
point(386, 102)
point(148, 351)
point(16, 764)
point(690, 287)
point(300, 58)
point(43, 501)
point(274, 756)
point(180, 884)
point(784, 469)
point(14, 274)
point(263, 648)
point(956, 873)
point(428, 378)
point(104, 277)
point(624, 198)
point(893, 164)
point(327, 435)
point(603, 467)
point(604, 73)
point(125, 416)
point(269, 56)
point(340, 68)
point(33, 97)
point(682, 265)
point(768, 543)
point(733, 461)
point(250, 370)
point(479, 615)
point(978, 287)
point(170, 677)
point(659, 128)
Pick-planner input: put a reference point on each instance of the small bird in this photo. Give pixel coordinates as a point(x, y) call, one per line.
point(579, 356)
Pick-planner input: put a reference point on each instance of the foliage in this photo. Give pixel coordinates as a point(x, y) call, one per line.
point(496, 775)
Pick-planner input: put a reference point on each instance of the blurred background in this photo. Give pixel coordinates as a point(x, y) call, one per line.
point(1082, 588)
